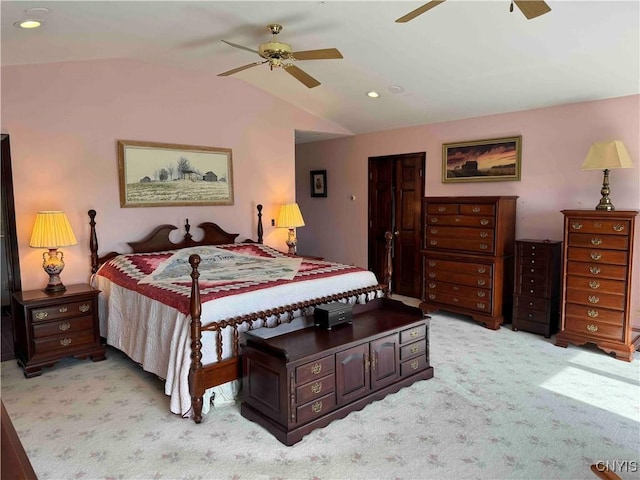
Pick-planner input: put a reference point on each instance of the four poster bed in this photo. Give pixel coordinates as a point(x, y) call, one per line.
point(180, 309)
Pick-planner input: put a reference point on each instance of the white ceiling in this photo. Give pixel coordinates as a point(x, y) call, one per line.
point(459, 60)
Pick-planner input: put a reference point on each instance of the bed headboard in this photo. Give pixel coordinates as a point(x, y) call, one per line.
point(158, 240)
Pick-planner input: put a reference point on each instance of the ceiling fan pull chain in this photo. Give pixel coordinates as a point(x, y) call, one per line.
point(511, 7)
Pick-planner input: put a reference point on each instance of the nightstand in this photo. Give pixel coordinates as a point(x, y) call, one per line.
point(51, 326)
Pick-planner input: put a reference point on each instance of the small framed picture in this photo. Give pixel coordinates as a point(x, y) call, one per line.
point(318, 183)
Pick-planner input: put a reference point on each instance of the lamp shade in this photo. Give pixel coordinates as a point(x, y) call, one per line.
point(607, 155)
point(290, 216)
point(52, 230)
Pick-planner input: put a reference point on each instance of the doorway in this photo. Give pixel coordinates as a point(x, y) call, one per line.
point(396, 189)
point(9, 249)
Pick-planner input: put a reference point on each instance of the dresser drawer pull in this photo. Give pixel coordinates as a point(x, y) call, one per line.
point(317, 407)
point(483, 246)
point(434, 219)
point(458, 219)
point(594, 270)
point(481, 294)
point(533, 254)
point(532, 281)
point(65, 342)
point(316, 369)
point(414, 333)
point(531, 291)
point(533, 270)
point(618, 228)
point(595, 256)
point(481, 269)
point(593, 299)
point(455, 288)
point(594, 284)
point(592, 328)
point(576, 225)
point(414, 348)
point(62, 309)
point(432, 263)
point(415, 364)
point(85, 307)
point(475, 209)
point(531, 304)
point(593, 313)
point(432, 274)
point(533, 247)
point(434, 231)
point(484, 234)
point(41, 315)
point(481, 305)
point(533, 261)
point(530, 315)
point(484, 221)
point(64, 326)
point(432, 296)
point(433, 242)
point(456, 299)
point(316, 387)
point(432, 284)
point(596, 241)
point(442, 209)
point(597, 225)
point(481, 281)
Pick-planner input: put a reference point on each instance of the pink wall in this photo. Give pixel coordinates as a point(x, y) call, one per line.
point(64, 119)
point(555, 142)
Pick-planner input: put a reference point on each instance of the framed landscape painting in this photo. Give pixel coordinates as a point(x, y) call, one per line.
point(163, 174)
point(497, 159)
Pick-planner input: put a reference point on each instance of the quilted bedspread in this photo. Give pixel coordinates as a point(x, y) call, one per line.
point(224, 270)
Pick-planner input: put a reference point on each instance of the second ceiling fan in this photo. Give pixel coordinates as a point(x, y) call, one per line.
point(530, 9)
point(280, 55)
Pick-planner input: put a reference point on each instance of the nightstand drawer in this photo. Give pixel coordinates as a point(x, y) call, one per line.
point(314, 370)
point(60, 343)
point(316, 408)
point(320, 387)
point(64, 310)
point(62, 327)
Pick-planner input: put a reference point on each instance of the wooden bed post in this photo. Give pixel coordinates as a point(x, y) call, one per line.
point(259, 207)
point(93, 241)
point(196, 387)
point(388, 265)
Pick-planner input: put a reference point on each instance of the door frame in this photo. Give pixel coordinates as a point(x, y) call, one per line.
point(10, 238)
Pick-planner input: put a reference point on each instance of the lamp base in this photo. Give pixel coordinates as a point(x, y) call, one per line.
point(605, 203)
point(53, 264)
point(292, 242)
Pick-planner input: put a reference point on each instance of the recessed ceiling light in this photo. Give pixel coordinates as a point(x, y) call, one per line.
point(373, 94)
point(36, 11)
point(28, 24)
point(395, 89)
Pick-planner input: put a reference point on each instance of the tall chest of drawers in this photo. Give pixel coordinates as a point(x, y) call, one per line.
point(467, 255)
point(597, 273)
point(536, 296)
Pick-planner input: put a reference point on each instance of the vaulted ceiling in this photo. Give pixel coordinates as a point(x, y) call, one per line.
point(460, 59)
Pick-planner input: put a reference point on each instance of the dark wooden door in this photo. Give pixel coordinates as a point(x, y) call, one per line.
point(352, 374)
point(396, 189)
point(384, 361)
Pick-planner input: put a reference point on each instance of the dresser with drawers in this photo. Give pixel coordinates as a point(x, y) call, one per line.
point(536, 295)
point(298, 380)
point(51, 326)
point(597, 273)
point(467, 256)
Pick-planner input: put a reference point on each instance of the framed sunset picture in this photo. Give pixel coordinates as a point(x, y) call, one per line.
point(497, 159)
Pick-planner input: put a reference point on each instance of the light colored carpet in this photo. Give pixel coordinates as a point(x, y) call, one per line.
point(502, 405)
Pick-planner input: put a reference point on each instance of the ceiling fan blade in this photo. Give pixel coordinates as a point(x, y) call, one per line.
point(239, 69)
point(241, 47)
point(419, 11)
point(322, 54)
point(532, 8)
point(301, 76)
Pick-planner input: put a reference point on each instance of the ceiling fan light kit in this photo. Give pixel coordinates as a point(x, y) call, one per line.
point(278, 54)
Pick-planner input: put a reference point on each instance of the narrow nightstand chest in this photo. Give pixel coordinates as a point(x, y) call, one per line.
point(536, 296)
point(51, 326)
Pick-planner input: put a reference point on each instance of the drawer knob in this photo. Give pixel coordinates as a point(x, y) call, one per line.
point(483, 246)
point(594, 284)
point(414, 333)
point(455, 300)
point(316, 369)
point(432, 274)
point(62, 309)
point(84, 307)
point(41, 315)
point(593, 299)
point(533, 270)
point(592, 328)
point(442, 209)
point(484, 234)
point(594, 270)
point(316, 387)
point(432, 284)
point(596, 241)
point(531, 304)
point(458, 219)
point(480, 305)
point(65, 342)
point(481, 281)
point(595, 256)
point(597, 225)
point(530, 291)
point(64, 326)
point(414, 348)
point(592, 313)
point(481, 294)
point(432, 263)
point(432, 296)
point(475, 209)
point(484, 221)
point(576, 225)
point(533, 261)
point(481, 269)
point(415, 364)
point(433, 242)
point(434, 231)
point(317, 407)
point(434, 219)
point(530, 315)
point(618, 228)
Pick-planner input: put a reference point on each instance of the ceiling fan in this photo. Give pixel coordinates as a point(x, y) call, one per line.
point(280, 55)
point(530, 9)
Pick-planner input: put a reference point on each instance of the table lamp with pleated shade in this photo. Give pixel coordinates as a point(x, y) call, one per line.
point(52, 230)
point(290, 217)
point(605, 156)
